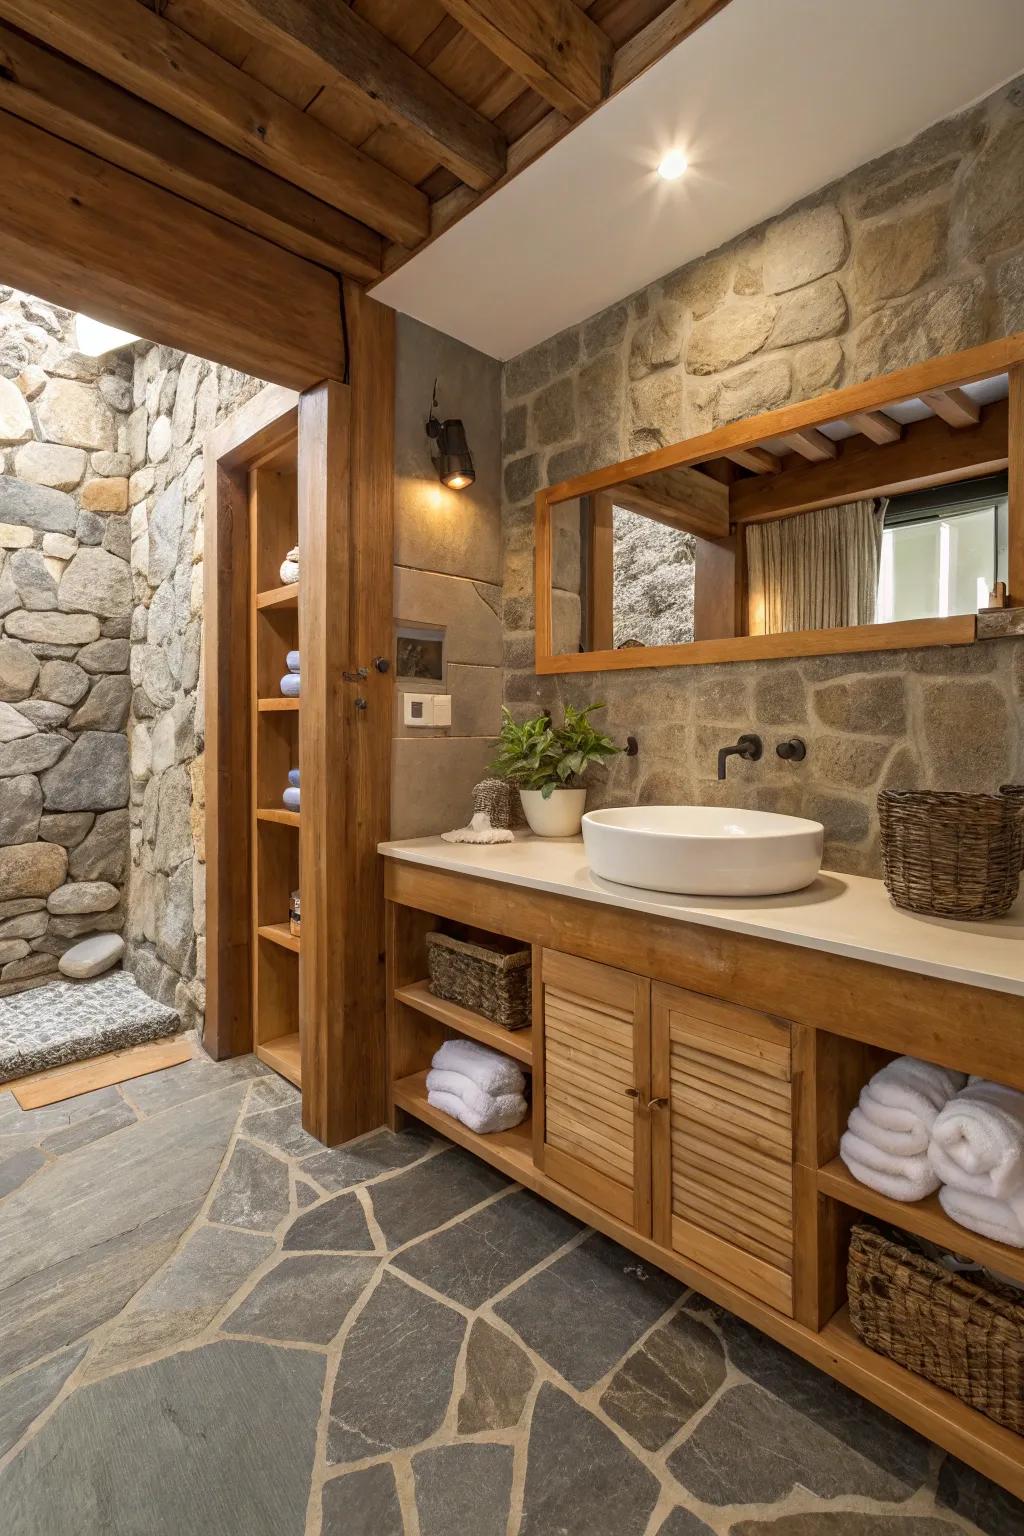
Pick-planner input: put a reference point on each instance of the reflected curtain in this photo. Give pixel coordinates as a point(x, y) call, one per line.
point(817, 570)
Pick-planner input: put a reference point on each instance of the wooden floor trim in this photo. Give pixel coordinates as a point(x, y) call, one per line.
point(59, 1083)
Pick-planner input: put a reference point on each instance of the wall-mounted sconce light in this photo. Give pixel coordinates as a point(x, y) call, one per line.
point(453, 460)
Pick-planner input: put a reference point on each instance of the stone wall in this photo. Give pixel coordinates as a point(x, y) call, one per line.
point(917, 254)
point(65, 607)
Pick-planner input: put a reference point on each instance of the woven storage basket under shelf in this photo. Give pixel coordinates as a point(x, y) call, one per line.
point(951, 855)
point(964, 1337)
point(486, 978)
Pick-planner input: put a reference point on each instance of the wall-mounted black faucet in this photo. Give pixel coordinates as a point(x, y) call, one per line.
point(749, 747)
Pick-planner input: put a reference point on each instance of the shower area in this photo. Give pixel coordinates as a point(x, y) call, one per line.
point(102, 917)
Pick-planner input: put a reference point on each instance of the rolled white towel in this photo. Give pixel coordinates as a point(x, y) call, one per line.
point(899, 1105)
point(488, 1069)
point(494, 1120)
point(440, 1081)
point(1002, 1220)
point(901, 1178)
point(977, 1142)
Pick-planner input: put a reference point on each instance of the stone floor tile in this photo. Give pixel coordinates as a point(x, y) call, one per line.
point(281, 1128)
point(750, 1448)
point(662, 1385)
point(32, 1125)
point(426, 1197)
point(184, 1297)
point(967, 1493)
point(839, 1523)
point(339, 1224)
point(305, 1194)
point(177, 1085)
point(219, 1439)
point(337, 1168)
point(463, 1488)
point(683, 1522)
point(499, 1376)
point(306, 1298)
point(270, 1091)
point(23, 1397)
point(363, 1503)
point(481, 1255)
point(395, 1379)
point(580, 1478)
point(16, 1167)
point(588, 1308)
point(81, 1132)
point(253, 1190)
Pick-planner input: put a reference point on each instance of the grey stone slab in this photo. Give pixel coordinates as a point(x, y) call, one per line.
point(338, 1224)
point(116, 1118)
point(663, 1384)
point(32, 1126)
point(363, 1503)
point(967, 1493)
point(305, 1298)
point(750, 1448)
point(305, 1194)
point(16, 1167)
point(580, 1478)
point(431, 1194)
point(253, 1190)
point(483, 1254)
point(340, 1167)
point(89, 1230)
point(463, 1488)
point(281, 1128)
point(183, 1298)
point(683, 1522)
point(499, 1376)
point(163, 1090)
point(268, 1092)
point(165, 1449)
point(23, 1397)
point(396, 1373)
point(825, 1523)
point(588, 1308)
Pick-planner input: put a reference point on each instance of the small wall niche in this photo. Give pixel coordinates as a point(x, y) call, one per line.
point(420, 655)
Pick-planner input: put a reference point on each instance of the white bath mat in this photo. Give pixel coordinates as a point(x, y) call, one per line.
point(72, 1020)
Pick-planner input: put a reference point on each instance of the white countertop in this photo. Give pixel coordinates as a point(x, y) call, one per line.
point(843, 914)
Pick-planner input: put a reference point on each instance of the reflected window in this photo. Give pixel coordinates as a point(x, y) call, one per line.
point(652, 581)
point(943, 551)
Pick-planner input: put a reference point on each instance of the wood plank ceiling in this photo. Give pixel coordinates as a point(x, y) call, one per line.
point(347, 133)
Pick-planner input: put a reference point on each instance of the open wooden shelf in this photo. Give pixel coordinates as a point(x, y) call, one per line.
point(511, 1042)
point(274, 706)
point(282, 818)
point(284, 1055)
point(279, 597)
point(279, 933)
point(925, 1218)
point(510, 1151)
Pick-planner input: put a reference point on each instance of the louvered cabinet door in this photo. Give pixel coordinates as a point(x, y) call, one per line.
point(723, 1140)
point(596, 1085)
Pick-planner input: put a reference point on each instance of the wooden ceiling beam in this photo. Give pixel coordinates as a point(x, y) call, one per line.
point(83, 108)
point(758, 459)
point(664, 32)
point(876, 426)
point(359, 58)
point(551, 44)
point(148, 56)
point(953, 407)
point(811, 444)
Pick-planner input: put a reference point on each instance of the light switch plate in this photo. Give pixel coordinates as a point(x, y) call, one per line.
point(418, 708)
point(442, 709)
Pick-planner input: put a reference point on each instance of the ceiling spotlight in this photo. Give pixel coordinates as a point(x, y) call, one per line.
point(673, 166)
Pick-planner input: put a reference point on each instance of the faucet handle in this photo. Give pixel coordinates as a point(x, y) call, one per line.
point(792, 751)
point(751, 747)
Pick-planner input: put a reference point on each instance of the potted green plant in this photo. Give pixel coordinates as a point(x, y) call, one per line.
point(546, 762)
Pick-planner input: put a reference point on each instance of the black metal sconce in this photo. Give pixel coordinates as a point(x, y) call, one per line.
point(453, 460)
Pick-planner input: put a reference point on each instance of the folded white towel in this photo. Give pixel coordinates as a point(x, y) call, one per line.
point(290, 685)
point(977, 1141)
point(901, 1178)
point(1002, 1220)
point(474, 1098)
point(898, 1106)
point(488, 1069)
point(494, 1120)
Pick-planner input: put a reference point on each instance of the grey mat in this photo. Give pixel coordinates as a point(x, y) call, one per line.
point(73, 1020)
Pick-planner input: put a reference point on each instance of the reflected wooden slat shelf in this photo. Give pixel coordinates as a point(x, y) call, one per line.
point(279, 597)
point(273, 706)
point(511, 1042)
point(280, 933)
point(511, 1151)
point(283, 818)
point(925, 1218)
point(284, 1056)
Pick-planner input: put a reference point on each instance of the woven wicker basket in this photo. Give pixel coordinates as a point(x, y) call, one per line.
point(485, 977)
point(962, 1336)
point(951, 855)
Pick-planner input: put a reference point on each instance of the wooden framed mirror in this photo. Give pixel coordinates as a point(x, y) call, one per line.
point(883, 516)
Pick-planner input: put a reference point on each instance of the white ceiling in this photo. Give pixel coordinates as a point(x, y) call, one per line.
point(769, 100)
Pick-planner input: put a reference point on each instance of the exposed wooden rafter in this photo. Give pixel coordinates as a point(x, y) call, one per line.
point(666, 31)
point(953, 406)
point(757, 459)
point(551, 44)
point(876, 426)
point(811, 444)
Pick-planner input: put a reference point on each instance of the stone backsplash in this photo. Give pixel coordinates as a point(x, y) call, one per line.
point(917, 254)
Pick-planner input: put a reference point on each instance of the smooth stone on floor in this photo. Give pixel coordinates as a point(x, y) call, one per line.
point(18, 1166)
point(92, 956)
point(663, 1384)
point(363, 1503)
point(589, 1308)
point(339, 1224)
point(967, 1493)
point(396, 1374)
point(463, 1488)
point(336, 1168)
point(579, 1475)
point(427, 1196)
point(166, 1089)
point(683, 1522)
point(104, 1123)
point(23, 1397)
point(166, 1448)
point(281, 1128)
point(306, 1297)
point(839, 1523)
point(499, 1377)
point(253, 1190)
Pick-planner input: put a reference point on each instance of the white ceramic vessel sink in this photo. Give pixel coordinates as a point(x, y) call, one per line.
point(703, 850)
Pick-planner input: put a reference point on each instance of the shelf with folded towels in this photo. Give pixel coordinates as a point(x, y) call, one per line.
point(517, 1043)
point(280, 933)
point(511, 1151)
point(925, 1218)
point(279, 597)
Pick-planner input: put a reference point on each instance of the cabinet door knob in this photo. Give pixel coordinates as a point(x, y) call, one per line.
point(656, 1103)
point(631, 1093)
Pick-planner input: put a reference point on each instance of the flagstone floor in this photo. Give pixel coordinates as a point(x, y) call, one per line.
point(210, 1324)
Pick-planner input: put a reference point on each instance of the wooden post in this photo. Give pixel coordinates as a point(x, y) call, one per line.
point(1016, 488)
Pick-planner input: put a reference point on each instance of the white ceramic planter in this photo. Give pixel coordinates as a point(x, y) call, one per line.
point(560, 815)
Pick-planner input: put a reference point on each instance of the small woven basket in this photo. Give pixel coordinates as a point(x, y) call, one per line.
point(964, 1337)
point(500, 800)
point(951, 855)
point(487, 978)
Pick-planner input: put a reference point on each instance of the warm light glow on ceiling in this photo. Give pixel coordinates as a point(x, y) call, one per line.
point(672, 166)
